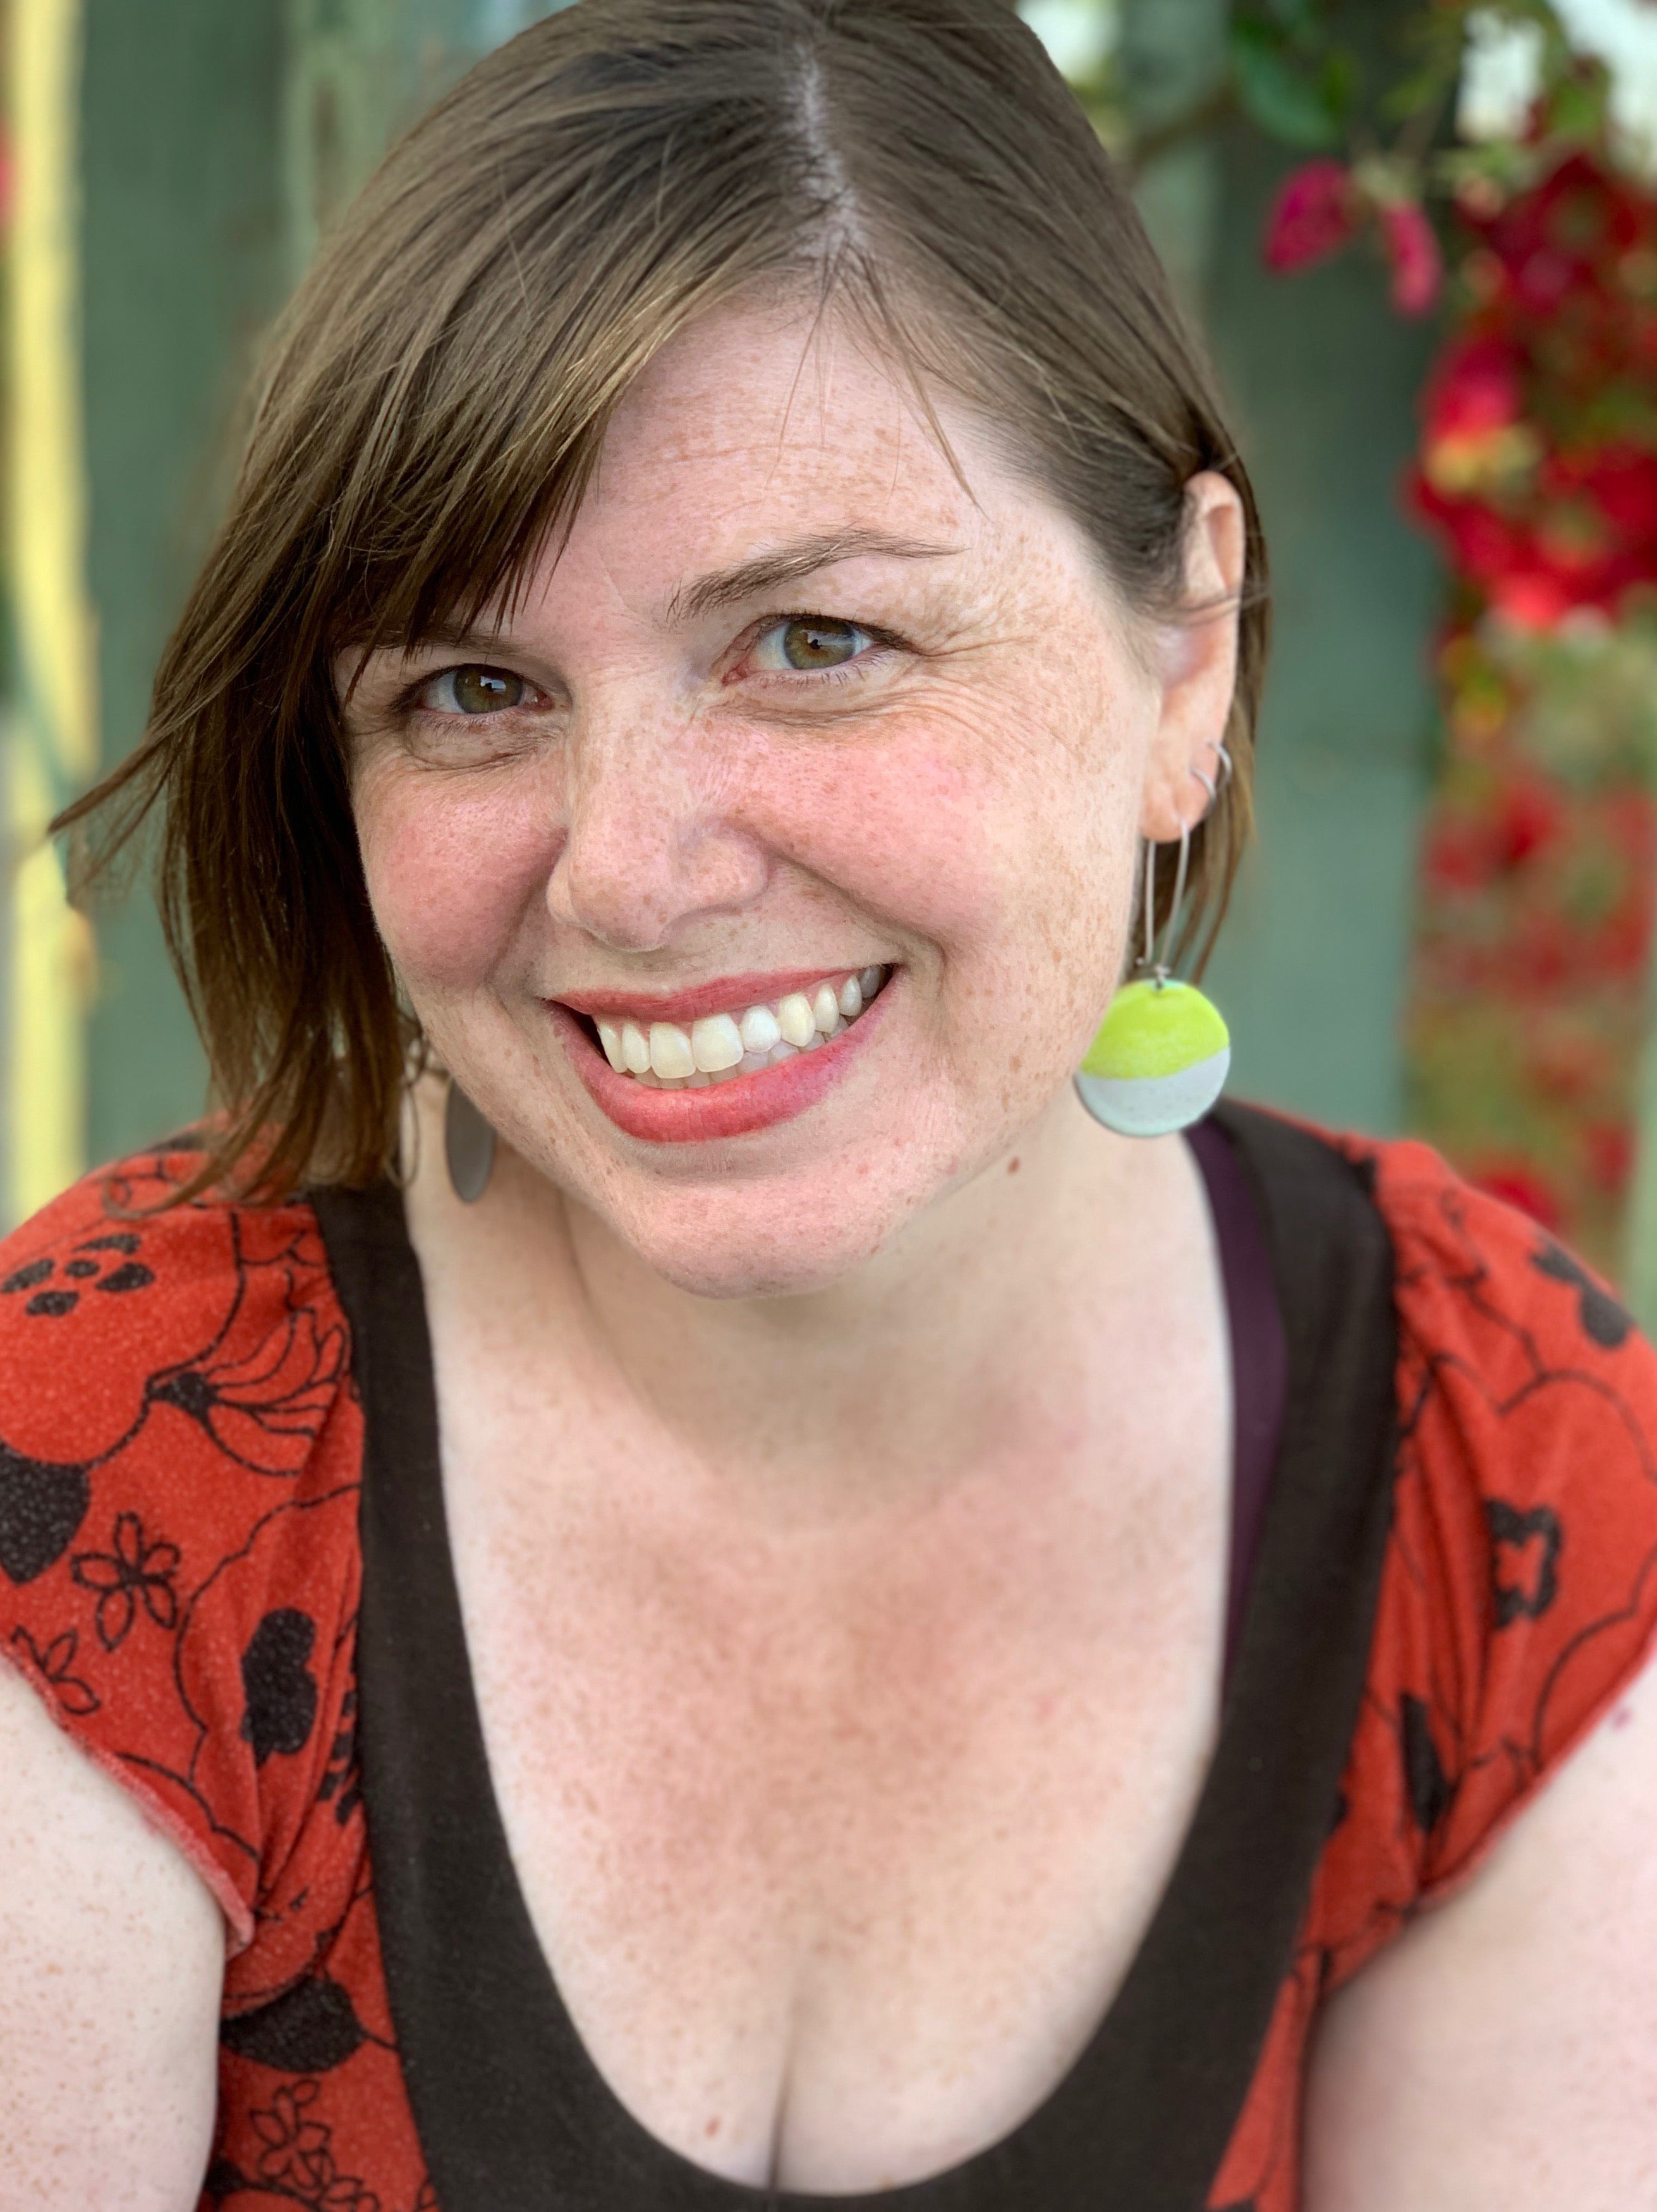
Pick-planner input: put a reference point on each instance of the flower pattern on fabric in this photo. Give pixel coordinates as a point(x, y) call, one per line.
point(133, 1572)
point(54, 1665)
point(1518, 1592)
point(263, 1388)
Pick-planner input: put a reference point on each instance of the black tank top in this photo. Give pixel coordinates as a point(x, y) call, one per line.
point(512, 2114)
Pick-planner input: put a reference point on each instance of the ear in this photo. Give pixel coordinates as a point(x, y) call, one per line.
point(1198, 656)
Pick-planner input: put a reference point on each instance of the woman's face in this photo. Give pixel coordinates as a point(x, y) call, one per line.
point(799, 715)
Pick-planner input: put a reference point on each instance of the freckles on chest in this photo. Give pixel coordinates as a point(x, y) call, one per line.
point(675, 1736)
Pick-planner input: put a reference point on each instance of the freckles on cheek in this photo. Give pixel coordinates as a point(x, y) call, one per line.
point(909, 834)
point(448, 884)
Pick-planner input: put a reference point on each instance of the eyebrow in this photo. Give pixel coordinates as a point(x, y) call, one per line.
point(787, 564)
point(721, 588)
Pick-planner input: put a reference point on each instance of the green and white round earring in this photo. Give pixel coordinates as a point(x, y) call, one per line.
point(1162, 1053)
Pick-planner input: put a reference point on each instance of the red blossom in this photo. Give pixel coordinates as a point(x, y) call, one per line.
point(1609, 1146)
point(1579, 220)
point(1412, 248)
point(1316, 212)
point(1521, 1184)
point(1477, 388)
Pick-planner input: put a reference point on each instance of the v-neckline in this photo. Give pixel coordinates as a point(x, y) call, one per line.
point(514, 2114)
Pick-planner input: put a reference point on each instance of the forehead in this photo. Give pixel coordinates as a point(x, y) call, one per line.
point(759, 425)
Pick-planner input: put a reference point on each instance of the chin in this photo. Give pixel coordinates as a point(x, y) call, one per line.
point(729, 1244)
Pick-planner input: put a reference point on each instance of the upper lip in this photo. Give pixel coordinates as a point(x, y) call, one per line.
point(724, 994)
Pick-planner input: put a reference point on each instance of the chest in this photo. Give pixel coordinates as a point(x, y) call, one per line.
point(838, 1831)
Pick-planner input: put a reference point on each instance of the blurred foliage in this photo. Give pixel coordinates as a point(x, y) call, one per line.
point(1538, 474)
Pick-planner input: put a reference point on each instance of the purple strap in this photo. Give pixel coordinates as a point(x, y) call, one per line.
point(1260, 1358)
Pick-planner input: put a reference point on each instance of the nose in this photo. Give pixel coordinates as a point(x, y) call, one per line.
point(650, 841)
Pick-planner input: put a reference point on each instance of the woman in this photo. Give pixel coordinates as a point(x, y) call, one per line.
point(667, 1578)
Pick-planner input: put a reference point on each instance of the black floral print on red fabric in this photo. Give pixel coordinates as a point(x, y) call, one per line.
point(134, 1571)
point(179, 1475)
point(1525, 1551)
point(1520, 1591)
point(56, 1666)
point(42, 1506)
point(263, 1386)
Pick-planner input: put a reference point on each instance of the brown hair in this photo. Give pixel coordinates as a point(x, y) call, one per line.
point(436, 395)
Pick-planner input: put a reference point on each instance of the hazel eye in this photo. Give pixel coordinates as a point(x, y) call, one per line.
point(473, 690)
point(806, 642)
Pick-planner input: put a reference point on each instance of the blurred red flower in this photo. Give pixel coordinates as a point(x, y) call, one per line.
point(1412, 248)
point(1316, 212)
point(1521, 1184)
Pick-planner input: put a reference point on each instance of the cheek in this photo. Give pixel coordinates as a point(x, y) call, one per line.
point(450, 873)
point(1004, 840)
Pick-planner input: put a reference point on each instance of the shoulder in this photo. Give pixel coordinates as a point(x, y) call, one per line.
point(180, 1449)
point(1527, 1411)
point(116, 1303)
point(1519, 1596)
point(1511, 1699)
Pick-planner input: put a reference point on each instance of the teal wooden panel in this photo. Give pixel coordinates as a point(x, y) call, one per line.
point(182, 228)
point(1323, 378)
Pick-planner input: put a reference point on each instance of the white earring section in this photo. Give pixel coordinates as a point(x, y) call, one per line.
point(1163, 1052)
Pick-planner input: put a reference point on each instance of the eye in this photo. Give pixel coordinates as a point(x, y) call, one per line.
point(474, 689)
point(808, 642)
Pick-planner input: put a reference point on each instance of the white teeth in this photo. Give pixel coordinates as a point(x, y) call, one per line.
point(716, 1044)
point(721, 1047)
point(669, 1050)
point(796, 1019)
point(759, 1030)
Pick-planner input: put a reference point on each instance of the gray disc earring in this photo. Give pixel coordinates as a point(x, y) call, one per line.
point(468, 1146)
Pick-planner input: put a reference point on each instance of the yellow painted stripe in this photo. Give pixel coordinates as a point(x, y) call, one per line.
point(53, 744)
point(51, 978)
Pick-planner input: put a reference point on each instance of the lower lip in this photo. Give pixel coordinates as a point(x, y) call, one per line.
point(735, 1108)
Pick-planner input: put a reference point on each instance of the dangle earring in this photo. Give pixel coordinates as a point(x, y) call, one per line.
point(468, 1146)
point(1163, 1051)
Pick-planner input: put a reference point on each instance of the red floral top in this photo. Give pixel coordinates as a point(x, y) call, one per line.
point(180, 1451)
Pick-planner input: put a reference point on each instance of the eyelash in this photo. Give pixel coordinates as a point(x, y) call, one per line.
point(881, 642)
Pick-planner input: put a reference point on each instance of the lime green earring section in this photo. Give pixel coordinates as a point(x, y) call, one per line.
point(1159, 1061)
point(1163, 1052)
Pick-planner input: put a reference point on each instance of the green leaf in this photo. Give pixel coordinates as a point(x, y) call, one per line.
point(1300, 18)
point(1284, 99)
point(1338, 81)
point(1578, 108)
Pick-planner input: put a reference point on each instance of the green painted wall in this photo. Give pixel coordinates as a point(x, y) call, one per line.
point(182, 231)
point(1322, 377)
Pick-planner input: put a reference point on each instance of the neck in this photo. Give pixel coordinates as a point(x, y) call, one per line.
point(960, 1342)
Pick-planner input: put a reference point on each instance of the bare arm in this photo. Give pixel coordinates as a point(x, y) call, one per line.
point(1502, 2056)
point(112, 1957)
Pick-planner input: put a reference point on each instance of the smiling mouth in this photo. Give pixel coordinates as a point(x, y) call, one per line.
point(722, 1048)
